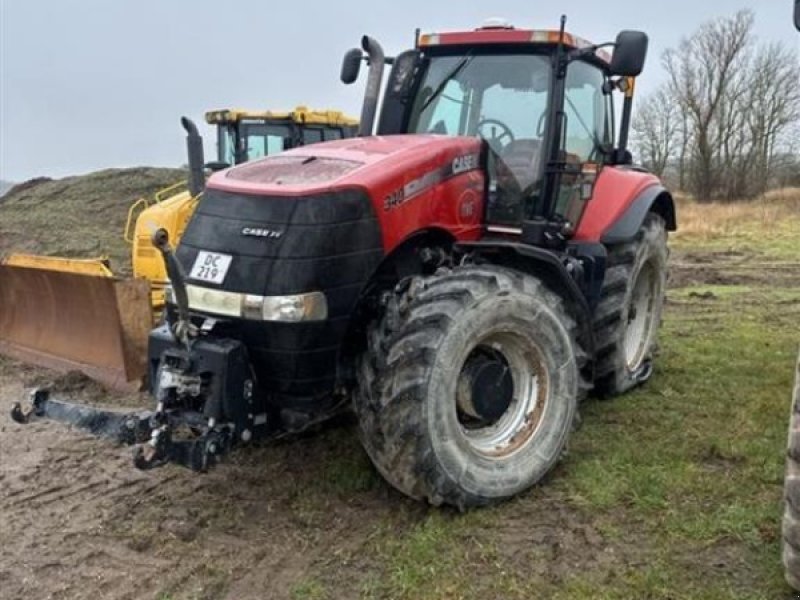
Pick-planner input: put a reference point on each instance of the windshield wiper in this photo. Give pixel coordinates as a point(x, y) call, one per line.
point(440, 88)
point(592, 134)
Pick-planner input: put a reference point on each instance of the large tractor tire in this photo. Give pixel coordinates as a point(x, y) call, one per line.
point(629, 313)
point(468, 390)
point(791, 489)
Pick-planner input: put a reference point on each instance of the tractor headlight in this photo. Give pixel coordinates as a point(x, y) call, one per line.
point(217, 302)
point(311, 306)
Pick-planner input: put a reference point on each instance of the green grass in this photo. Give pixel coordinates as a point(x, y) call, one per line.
point(308, 590)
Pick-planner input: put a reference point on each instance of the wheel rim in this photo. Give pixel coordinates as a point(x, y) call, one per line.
point(641, 316)
point(502, 394)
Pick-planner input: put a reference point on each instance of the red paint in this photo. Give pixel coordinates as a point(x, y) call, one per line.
point(614, 191)
point(381, 166)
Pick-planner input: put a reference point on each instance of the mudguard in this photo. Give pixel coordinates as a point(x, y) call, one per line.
point(654, 198)
point(621, 198)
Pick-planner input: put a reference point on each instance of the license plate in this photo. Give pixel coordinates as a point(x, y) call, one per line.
point(210, 266)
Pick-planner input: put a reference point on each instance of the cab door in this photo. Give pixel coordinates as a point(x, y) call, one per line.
point(589, 128)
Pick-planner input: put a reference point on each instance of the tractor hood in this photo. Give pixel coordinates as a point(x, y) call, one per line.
point(376, 164)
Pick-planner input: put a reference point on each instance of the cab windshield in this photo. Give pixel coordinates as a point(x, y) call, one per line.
point(255, 139)
point(500, 98)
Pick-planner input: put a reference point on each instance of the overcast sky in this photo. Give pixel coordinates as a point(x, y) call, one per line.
point(89, 84)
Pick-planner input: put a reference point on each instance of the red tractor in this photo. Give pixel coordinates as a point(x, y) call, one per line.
point(461, 275)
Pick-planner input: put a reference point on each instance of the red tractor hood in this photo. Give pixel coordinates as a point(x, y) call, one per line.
point(377, 164)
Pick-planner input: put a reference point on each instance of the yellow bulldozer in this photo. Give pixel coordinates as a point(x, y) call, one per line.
point(75, 314)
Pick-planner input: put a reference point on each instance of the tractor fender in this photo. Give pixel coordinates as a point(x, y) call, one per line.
point(654, 198)
point(545, 265)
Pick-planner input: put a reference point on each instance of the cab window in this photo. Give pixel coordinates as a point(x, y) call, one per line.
point(585, 107)
point(588, 113)
point(449, 113)
point(262, 139)
point(312, 136)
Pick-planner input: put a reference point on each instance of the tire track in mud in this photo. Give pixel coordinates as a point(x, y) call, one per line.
point(730, 268)
point(58, 488)
point(81, 522)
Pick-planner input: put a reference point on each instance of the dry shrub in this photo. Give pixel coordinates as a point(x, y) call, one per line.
point(715, 219)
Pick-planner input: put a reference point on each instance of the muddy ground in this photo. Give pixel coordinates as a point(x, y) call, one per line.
point(302, 518)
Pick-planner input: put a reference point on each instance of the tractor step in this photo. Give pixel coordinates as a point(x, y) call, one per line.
point(150, 432)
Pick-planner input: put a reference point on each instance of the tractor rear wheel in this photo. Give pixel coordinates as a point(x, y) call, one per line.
point(468, 390)
point(791, 493)
point(629, 313)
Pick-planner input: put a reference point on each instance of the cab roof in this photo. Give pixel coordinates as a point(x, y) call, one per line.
point(301, 115)
point(506, 34)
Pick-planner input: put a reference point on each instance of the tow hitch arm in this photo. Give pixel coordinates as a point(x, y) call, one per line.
point(151, 433)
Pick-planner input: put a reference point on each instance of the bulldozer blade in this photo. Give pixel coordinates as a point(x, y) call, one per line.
point(70, 321)
point(123, 427)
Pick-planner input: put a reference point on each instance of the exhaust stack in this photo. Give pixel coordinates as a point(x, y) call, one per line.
point(194, 148)
point(377, 61)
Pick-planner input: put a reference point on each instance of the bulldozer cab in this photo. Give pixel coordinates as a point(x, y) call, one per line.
point(246, 135)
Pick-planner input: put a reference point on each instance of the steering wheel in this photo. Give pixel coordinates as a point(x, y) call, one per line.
point(504, 134)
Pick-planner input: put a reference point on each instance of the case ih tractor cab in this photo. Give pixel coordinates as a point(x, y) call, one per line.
point(461, 279)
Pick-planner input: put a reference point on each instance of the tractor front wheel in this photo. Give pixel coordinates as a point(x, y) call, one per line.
point(469, 388)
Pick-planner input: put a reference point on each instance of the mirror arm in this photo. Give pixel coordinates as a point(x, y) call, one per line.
point(627, 109)
point(588, 51)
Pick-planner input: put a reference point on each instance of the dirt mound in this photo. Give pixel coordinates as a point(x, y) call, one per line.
point(25, 185)
point(81, 216)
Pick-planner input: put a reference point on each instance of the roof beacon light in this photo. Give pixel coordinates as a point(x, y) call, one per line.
point(496, 23)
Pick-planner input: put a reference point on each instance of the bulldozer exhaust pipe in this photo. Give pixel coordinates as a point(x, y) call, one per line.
point(377, 62)
point(194, 148)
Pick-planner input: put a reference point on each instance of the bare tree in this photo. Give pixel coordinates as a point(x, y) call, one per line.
point(702, 71)
point(655, 130)
point(772, 107)
point(728, 113)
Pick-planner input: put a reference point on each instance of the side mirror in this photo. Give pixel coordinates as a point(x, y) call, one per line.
point(797, 14)
point(630, 50)
point(351, 65)
point(402, 75)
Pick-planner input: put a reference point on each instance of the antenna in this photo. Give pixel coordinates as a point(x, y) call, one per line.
point(562, 64)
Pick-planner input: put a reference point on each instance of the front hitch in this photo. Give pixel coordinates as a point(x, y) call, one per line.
point(152, 433)
point(198, 454)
